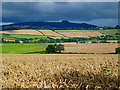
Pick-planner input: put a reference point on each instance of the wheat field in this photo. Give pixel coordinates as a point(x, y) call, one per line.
point(84, 71)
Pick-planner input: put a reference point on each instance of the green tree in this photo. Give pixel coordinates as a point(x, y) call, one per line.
point(59, 48)
point(55, 48)
point(117, 50)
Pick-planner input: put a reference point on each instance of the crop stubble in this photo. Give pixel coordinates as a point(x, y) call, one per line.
point(49, 33)
point(81, 34)
point(90, 48)
point(29, 32)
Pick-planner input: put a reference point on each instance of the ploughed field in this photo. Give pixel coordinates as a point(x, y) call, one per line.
point(90, 47)
point(60, 71)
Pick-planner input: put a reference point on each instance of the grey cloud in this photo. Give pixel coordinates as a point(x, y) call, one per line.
point(61, 1)
point(53, 11)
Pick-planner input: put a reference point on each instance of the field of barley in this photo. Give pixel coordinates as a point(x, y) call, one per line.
point(84, 71)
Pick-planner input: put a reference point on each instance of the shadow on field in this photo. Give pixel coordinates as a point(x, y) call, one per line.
point(90, 81)
point(67, 78)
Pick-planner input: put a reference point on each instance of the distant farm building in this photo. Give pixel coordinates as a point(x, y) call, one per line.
point(88, 42)
point(92, 42)
point(21, 42)
point(100, 28)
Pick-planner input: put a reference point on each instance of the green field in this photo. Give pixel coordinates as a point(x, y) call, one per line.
point(109, 31)
point(15, 36)
point(18, 48)
point(74, 30)
point(105, 32)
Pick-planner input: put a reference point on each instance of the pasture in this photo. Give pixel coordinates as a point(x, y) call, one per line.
point(21, 36)
point(105, 32)
point(60, 71)
point(18, 48)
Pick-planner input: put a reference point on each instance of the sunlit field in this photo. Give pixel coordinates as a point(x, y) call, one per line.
point(60, 71)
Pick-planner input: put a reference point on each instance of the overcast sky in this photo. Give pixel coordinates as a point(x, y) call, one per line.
point(98, 13)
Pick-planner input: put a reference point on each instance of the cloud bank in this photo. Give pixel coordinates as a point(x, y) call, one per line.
point(60, 0)
point(55, 11)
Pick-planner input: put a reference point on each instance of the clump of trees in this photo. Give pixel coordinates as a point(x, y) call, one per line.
point(57, 48)
point(118, 50)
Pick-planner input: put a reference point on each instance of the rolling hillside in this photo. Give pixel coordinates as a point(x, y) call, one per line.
point(66, 33)
point(49, 25)
point(53, 36)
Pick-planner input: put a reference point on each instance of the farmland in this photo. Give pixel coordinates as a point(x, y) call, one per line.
point(81, 34)
point(18, 48)
point(49, 33)
point(59, 34)
point(22, 36)
point(90, 48)
point(105, 32)
point(30, 32)
point(14, 48)
point(27, 66)
point(76, 30)
point(60, 71)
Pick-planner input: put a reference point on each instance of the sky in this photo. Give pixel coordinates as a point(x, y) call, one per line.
point(97, 13)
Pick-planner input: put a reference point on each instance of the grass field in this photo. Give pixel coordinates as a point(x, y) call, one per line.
point(14, 48)
point(14, 36)
point(105, 32)
point(109, 32)
point(96, 72)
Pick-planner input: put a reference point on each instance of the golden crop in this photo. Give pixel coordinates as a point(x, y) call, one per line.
point(82, 71)
point(49, 33)
point(30, 32)
point(81, 34)
point(90, 48)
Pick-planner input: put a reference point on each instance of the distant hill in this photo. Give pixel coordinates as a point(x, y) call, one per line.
point(64, 25)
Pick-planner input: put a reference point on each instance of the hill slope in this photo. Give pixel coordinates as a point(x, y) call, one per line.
point(48, 25)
